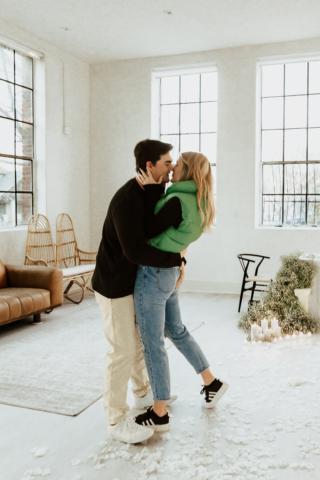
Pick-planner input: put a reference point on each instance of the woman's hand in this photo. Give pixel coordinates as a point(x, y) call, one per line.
point(180, 279)
point(147, 178)
point(182, 254)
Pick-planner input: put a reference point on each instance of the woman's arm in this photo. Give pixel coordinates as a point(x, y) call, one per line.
point(169, 216)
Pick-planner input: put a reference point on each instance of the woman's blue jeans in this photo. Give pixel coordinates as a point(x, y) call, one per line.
point(158, 316)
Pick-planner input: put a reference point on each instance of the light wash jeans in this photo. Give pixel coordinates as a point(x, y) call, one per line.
point(158, 315)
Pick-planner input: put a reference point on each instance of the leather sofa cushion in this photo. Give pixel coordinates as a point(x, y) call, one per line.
point(3, 276)
point(21, 302)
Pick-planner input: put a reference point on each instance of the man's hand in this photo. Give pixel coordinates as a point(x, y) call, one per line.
point(179, 282)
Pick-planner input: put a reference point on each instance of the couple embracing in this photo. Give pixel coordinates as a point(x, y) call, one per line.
point(140, 266)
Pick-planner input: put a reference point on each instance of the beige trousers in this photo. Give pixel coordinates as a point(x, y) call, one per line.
point(124, 359)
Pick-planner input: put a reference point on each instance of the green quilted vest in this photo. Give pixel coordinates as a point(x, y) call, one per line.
point(175, 240)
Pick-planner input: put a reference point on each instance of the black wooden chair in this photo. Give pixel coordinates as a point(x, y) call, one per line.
point(257, 280)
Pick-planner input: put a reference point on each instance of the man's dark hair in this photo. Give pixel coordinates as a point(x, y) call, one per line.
point(149, 151)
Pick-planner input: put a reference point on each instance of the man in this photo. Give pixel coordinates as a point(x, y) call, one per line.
point(122, 248)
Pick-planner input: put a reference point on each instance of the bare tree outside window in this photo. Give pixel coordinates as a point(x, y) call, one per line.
point(188, 114)
point(16, 138)
point(290, 144)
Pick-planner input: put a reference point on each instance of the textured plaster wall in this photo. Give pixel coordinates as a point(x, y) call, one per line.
point(120, 116)
point(66, 157)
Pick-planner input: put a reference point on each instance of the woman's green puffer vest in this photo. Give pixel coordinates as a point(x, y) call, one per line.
point(175, 240)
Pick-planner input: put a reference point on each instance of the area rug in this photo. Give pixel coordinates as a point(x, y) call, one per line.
point(56, 366)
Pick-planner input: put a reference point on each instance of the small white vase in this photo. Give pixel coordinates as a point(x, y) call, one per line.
point(303, 295)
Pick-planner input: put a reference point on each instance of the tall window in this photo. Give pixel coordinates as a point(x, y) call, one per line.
point(290, 144)
point(187, 112)
point(16, 138)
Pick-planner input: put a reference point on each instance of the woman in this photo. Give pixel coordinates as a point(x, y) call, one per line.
point(189, 205)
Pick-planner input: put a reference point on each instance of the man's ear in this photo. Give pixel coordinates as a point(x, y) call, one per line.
point(149, 165)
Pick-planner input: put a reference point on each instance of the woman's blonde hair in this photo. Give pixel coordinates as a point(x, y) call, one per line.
point(196, 167)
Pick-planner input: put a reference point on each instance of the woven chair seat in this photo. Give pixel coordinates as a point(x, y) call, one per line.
point(78, 270)
point(259, 278)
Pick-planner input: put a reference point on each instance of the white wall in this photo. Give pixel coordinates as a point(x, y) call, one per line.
point(120, 116)
point(67, 160)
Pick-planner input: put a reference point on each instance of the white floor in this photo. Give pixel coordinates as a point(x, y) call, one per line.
point(267, 426)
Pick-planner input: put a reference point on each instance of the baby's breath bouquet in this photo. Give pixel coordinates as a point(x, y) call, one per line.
point(280, 301)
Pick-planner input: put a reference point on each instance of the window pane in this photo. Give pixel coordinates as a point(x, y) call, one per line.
point(6, 136)
point(23, 70)
point(170, 119)
point(7, 174)
point(190, 118)
point(24, 139)
point(190, 88)
point(271, 210)
point(295, 145)
point(272, 179)
point(169, 90)
point(314, 210)
point(209, 86)
point(296, 112)
point(209, 117)
point(272, 146)
point(314, 77)
point(209, 146)
point(189, 143)
point(24, 104)
point(173, 140)
point(272, 80)
point(24, 175)
point(6, 63)
point(294, 210)
point(7, 210)
point(24, 208)
point(314, 111)
point(313, 178)
point(272, 113)
point(295, 178)
point(296, 78)
point(314, 144)
point(6, 99)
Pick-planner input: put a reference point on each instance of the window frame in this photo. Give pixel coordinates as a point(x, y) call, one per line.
point(156, 76)
point(282, 60)
point(33, 56)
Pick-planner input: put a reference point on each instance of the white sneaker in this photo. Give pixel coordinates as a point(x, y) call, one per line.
point(129, 431)
point(147, 401)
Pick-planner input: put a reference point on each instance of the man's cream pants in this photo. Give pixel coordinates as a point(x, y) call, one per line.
point(124, 359)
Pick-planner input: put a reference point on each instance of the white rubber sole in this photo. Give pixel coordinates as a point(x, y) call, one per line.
point(217, 397)
point(138, 439)
point(159, 428)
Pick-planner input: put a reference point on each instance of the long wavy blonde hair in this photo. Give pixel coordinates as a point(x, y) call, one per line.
point(197, 167)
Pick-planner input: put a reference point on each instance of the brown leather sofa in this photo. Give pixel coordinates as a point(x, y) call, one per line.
point(27, 290)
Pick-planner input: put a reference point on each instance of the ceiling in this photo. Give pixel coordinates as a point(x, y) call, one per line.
point(108, 30)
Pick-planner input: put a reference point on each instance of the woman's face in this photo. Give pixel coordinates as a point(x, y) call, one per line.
point(177, 171)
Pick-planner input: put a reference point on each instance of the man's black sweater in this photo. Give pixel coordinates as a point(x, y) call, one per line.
point(124, 246)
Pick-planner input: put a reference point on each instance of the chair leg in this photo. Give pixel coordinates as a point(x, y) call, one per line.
point(241, 295)
point(253, 288)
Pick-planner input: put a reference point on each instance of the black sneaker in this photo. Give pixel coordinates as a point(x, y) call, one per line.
point(150, 419)
point(213, 393)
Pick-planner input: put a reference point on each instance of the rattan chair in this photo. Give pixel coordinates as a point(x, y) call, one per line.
point(78, 266)
point(40, 249)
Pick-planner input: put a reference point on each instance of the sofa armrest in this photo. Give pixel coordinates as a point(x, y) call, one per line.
point(47, 278)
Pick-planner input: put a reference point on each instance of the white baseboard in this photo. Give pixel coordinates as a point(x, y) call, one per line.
point(211, 287)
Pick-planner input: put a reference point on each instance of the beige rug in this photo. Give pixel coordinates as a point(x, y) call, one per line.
point(56, 366)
